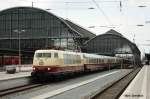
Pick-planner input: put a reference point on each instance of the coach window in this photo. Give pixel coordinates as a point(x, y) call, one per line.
point(55, 55)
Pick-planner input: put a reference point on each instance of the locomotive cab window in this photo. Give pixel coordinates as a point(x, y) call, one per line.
point(39, 55)
point(48, 55)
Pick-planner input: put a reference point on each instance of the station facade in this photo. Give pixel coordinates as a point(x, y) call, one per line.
point(26, 29)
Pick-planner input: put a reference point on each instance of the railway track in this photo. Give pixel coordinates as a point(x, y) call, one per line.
point(115, 90)
point(14, 90)
point(18, 89)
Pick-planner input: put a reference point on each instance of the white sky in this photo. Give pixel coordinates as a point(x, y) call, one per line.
point(105, 16)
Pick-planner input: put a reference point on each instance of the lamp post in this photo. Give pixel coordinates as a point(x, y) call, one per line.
point(19, 44)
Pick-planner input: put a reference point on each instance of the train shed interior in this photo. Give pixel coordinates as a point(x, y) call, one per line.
point(26, 29)
point(113, 43)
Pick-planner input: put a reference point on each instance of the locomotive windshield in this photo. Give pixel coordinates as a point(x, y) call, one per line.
point(39, 55)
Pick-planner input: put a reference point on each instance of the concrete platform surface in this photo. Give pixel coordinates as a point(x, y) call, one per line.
point(140, 86)
point(84, 89)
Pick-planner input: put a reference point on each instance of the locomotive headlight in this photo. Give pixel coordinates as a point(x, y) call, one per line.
point(49, 68)
point(33, 68)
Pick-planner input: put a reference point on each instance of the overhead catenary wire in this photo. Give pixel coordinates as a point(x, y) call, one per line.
point(70, 3)
point(106, 17)
point(82, 2)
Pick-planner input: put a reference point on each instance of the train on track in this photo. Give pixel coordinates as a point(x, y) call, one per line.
point(54, 63)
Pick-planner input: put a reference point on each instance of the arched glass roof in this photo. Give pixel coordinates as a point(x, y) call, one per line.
point(110, 43)
point(38, 29)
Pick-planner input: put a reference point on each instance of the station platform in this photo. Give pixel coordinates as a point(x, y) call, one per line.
point(139, 88)
point(5, 76)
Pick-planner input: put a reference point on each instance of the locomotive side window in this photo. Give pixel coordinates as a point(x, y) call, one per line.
point(65, 58)
point(55, 55)
point(72, 59)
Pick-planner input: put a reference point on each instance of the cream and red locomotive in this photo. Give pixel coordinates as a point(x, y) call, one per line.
point(57, 62)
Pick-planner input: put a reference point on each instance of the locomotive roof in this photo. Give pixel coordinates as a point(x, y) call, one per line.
point(52, 50)
point(85, 54)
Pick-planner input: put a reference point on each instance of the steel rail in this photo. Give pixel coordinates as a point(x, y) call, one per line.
point(18, 89)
